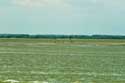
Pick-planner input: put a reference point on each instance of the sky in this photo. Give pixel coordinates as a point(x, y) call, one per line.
point(62, 17)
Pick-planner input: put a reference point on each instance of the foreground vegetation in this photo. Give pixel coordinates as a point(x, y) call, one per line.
point(62, 60)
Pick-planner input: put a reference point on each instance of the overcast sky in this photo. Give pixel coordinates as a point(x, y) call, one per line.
point(62, 16)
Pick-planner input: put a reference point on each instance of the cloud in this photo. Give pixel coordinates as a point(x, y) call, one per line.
point(41, 3)
point(2, 12)
point(100, 5)
point(111, 3)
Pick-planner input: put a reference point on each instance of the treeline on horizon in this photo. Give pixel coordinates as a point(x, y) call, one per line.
point(63, 36)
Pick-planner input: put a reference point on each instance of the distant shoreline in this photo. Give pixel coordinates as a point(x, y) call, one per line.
point(51, 36)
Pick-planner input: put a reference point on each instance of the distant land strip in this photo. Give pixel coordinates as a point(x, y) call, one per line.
point(51, 36)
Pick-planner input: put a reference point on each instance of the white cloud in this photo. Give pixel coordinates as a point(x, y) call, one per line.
point(41, 3)
point(113, 3)
point(2, 12)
